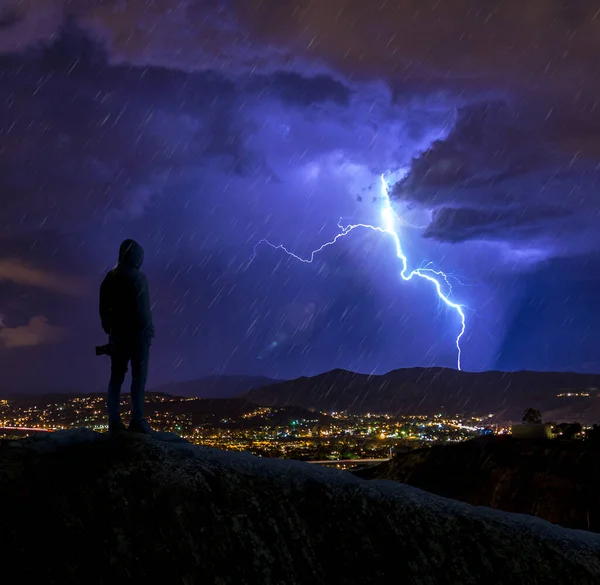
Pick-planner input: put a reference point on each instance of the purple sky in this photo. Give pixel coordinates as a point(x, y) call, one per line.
point(200, 127)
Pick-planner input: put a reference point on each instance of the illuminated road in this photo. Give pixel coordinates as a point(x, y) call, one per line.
point(26, 429)
point(347, 461)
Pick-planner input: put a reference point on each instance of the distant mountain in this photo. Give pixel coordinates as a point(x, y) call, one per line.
point(556, 480)
point(215, 386)
point(431, 390)
point(35, 392)
point(207, 387)
point(583, 410)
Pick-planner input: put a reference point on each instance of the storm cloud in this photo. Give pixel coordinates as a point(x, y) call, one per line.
point(547, 38)
point(201, 127)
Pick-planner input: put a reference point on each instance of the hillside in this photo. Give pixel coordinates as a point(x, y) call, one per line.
point(555, 480)
point(428, 391)
point(81, 507)
point(215, 386)
point(207, 387)
point(230, 413)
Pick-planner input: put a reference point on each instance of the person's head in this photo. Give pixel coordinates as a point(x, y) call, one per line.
point(131, 254)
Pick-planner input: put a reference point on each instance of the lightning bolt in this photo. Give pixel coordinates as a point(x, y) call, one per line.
point(435, 277)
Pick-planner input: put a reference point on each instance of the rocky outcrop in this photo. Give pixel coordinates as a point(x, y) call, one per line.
point(81, 507)
point(558, 481)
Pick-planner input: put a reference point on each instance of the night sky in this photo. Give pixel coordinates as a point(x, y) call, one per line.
point(200, 127)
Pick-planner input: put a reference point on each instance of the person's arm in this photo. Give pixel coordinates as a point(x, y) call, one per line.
point(106, 303)
point(143, 305)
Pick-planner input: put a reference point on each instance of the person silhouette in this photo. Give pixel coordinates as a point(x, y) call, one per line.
point(126, 318)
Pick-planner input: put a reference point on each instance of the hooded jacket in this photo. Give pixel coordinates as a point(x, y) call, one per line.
point(124, 300)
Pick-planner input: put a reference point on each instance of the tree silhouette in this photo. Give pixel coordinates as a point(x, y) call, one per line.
point(532, 415)
point(568, 430)
point(593, 434)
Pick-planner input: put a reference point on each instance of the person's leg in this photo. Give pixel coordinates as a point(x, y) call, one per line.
point(139, 376)
point(118, 369)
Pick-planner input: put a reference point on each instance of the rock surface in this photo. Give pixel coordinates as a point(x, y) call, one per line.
point(87, 508)
point(558, 481)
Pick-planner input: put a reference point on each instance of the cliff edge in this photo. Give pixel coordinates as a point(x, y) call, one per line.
point(558, 481)
point(83, 507)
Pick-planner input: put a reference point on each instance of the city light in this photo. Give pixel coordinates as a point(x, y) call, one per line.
point(262, 430)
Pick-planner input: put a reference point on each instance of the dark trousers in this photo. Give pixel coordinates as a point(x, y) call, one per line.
point(125, 351)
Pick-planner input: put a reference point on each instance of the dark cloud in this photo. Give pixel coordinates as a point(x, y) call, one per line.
point(78, 137)
point(544, 42)
point(9, 18)
point(489, 143)
point(458, 225)
point(509, 171)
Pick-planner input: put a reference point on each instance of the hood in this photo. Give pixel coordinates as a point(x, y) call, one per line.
point(131, 254)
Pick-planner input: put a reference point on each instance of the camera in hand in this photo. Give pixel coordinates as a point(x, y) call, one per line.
point(104, 349)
